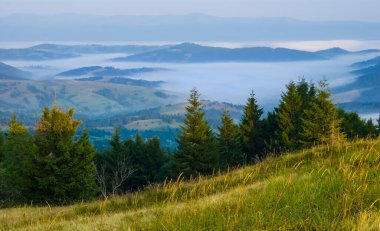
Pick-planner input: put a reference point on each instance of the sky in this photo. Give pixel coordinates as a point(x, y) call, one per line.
point(316, 10)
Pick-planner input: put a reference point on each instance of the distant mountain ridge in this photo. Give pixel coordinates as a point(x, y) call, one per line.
point(55, 51)
point(192, 27)
point(193, 53)
point(184, 52)
point(108, 71)
point(364, 91)
point(367, 63)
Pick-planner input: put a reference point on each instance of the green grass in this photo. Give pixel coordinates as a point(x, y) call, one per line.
point(323, 188)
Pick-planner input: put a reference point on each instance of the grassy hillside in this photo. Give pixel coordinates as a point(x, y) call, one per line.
point(324, 188)
point(86, 96)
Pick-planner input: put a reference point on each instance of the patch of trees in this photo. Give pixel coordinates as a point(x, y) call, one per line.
point(50, 166)
point(56, 165)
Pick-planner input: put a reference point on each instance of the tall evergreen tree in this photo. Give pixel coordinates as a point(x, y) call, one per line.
point(114, 166)
point(271, 132)
point(289, 117)
point(229, 142)
point(378, 125)
point(252, 132)
point(18, 151)
point(156, 158)
point(64, 170)
point(307, 92)
point(197, 152)
point(320, 123)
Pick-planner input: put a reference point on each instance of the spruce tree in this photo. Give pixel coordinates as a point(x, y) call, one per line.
point(155, 159)
point(64, 170)
point(18, 151)
point(289, 117)
point(271, 132)
point(229, 142)
point(320, 123)
point(197, 151)
point(252, 132)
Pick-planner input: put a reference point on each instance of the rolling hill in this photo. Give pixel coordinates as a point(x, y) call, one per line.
point(108, 71)
point(323, 188)
point(194, 53)
point(189, 52)
point(364, 91)
point(56, 51)
point(10, 72)
point(88, 97)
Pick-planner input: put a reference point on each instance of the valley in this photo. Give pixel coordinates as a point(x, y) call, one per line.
point(134, 92)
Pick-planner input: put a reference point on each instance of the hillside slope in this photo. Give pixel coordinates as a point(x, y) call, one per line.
point(324, 188)
point(10, 72)
point(194, 53)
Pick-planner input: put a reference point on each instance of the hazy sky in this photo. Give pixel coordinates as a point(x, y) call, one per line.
point(364, 10)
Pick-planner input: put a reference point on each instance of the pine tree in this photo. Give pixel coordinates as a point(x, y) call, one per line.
point(197, 152)
point(114, 166)
point(271, 132)
point(252, 132)
point(320, 123)
point(229, 142)
point(64, 170)
point(155, 159)
point(378, 125)
point(306, 91)
point(371, 129)
point(18, 151)
point(289, 117)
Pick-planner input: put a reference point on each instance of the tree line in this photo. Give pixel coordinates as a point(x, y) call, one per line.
point(54, 165)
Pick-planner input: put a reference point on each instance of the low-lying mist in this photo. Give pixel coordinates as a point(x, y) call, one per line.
point(227, 82)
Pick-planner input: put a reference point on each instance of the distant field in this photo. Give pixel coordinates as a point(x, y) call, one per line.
point(323, 188)
point(86, 97)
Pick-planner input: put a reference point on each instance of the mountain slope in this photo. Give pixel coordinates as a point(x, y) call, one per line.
point(55, 51)
point(108, 71)
point(87, 97)
point(10, 72)
point(193, 53)
point(323, 188)
point(367, 63)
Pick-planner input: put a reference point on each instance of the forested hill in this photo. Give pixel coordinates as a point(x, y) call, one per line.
point(194, 53)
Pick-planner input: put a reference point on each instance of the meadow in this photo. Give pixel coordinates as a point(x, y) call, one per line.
point(322, 188)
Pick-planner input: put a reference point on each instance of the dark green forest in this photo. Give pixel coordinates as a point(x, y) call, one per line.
point(55, 165)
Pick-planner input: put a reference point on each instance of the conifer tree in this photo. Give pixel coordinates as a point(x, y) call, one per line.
point(306, 91)
point(289, 117)
point(229, 142)
point(156, 158)
point(18, 151)
point(197, 152)
point(252, 132)
point(320, 123)
point(271, 132)
point(64, 170)
point(114, 166)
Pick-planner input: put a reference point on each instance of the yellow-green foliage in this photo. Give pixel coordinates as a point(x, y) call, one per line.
point(323, 188)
